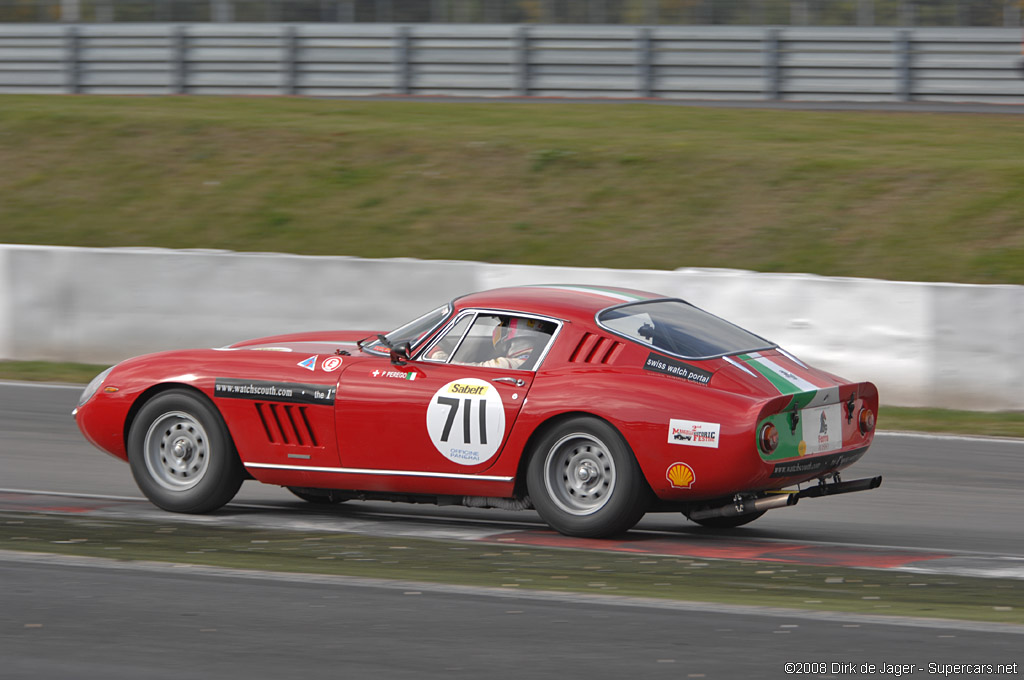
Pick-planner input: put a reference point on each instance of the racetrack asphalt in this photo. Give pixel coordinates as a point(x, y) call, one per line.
point(942, 498)
point(72, 618)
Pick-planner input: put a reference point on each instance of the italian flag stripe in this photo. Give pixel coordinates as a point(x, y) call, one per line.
point(784, 380)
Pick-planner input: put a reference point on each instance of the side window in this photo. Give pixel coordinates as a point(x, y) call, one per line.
point(449, 342)
point(500, 341)
point(478, 347)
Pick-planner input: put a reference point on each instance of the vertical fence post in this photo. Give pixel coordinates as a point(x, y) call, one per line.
point(547, 12)
point(70, 11)
point(346, 11)
point(403, 80)
point(179, 60)
point(772, 65)
point(644, 63)
point(1011, 14)
point(799, 13)
point(904, 66)
point(72, 60)
point(865, 13)
point(438, 11)
point(521, 57)
point(222, 11)
point(651, 14)
point(906, 10)
point(289, 59)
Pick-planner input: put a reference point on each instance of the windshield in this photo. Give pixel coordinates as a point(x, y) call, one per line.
point(679, 328)
point(413, 332)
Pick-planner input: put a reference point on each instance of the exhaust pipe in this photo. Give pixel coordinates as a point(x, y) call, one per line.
point(743, 506)
point(836, 488)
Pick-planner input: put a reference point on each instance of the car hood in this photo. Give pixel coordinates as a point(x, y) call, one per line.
point(317, 342)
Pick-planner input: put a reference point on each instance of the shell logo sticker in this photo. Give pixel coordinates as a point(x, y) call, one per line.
point(802, 448)
point(680, 476)
point(331, 364)
point(466, 421)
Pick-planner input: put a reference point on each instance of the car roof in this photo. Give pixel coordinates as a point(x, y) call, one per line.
point(564, 301)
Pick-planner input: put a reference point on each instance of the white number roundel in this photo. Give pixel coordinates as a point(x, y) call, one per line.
point(466, 421)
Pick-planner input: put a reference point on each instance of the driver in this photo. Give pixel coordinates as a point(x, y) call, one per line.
point(515, 340)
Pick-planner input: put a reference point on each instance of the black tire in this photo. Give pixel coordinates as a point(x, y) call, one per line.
point(181, 454)
point(728, 522)
point(318, 496)
point(584, 481)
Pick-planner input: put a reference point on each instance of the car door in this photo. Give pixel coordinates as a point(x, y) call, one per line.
point(434, 416)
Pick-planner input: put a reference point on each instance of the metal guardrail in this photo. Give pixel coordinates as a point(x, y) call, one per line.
point(670, 12)
point(666, 62)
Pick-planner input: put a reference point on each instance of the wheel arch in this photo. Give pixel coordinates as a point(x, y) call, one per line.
point(154, 391)
point(530, 448)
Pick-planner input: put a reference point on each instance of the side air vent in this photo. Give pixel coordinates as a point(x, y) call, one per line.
point(286, 424)
point(596, 349)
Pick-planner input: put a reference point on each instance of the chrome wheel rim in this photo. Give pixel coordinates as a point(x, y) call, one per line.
point(579, 474)
point(177, 451)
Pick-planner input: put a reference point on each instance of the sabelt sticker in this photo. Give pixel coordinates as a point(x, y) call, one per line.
point(466, 421)
point(680, 476)
point(331, 364)
point(693, 433)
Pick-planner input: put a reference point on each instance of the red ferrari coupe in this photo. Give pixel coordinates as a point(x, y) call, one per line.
point(591, 405)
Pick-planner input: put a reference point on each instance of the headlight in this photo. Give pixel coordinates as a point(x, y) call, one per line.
point(93, 387)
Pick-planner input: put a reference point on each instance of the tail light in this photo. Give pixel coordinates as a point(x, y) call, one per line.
point(866, 419)
point(768, 438)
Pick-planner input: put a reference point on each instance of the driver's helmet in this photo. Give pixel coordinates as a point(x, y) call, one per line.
point(518, 338)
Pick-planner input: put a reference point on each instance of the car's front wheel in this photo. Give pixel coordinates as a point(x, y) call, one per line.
point(584, 481)
point(181, 454)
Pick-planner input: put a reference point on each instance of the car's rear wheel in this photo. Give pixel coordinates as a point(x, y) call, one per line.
point(728, 522)
point(318, 496)
point(584, 481)
point(181, 454)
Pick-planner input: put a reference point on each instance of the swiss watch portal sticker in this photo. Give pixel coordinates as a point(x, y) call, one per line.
point(466, 421)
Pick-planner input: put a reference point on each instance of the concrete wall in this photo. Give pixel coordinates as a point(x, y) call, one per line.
point(923, 344)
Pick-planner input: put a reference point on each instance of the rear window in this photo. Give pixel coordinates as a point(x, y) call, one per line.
point(679, 328)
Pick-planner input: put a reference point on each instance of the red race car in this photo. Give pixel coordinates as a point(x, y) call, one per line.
point(591, 405)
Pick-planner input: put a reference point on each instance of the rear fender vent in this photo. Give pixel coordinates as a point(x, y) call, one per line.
point(596, 349)
point(286, 424)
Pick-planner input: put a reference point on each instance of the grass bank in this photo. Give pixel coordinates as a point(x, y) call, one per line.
point(514, 567)
point(931, 197)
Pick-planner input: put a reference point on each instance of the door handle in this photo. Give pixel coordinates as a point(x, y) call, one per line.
point(518, 382)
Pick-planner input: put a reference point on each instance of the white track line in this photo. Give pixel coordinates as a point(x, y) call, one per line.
point(508, 593)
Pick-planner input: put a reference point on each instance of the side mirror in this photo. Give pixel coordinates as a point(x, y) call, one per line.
point(400, 354)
